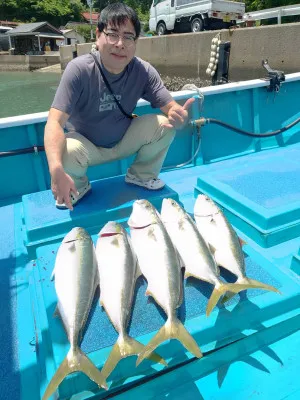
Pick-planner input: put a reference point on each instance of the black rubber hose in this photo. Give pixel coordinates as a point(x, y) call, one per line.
point(27, 150)
point(36, 149)
point(242, 132)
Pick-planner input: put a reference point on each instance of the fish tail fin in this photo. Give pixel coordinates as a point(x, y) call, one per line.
point(75, 361)
point(125, 347)
point(173, 329)
point(232, 288)
point(253, 284)
point(227, 297)
point(250, 284)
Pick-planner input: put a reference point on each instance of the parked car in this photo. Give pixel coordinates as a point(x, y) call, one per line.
point(193, 15)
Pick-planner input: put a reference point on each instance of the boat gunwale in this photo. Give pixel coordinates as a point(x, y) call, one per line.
point(35, 118)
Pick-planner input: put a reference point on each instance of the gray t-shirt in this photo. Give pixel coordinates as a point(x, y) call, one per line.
point(93, 112)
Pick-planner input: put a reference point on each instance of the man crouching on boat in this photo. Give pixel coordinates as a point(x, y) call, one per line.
point(94, 103)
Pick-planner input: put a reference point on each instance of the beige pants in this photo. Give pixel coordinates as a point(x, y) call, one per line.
point(145, 136)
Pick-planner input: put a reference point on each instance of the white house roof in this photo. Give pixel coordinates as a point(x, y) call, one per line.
point(6, 27)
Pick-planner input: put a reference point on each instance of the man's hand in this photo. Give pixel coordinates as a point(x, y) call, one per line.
point(62, 185)
point(177, 114)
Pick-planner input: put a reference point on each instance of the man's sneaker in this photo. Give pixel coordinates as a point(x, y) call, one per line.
point(151, 184)
point(75, 199)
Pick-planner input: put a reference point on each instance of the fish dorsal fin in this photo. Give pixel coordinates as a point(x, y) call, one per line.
point(97, 279)
point(181, 224)
point(187, 275)
point(242, 242)
point(179, 259)
point(52, 277)
point(149, 292)
point(211, 248)
point(115, 242)
point(56, 312)
point(180, 299)
point(212, 219)
point(138, 272)
point(71, 246)
point(151, 234)
point(218, 259)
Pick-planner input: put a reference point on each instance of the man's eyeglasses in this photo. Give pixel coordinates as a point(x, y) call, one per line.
point(113, 38)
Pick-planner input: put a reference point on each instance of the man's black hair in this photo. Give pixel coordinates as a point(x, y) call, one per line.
point(118, 14)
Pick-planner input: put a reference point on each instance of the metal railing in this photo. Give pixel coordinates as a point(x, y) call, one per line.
point(277, 12)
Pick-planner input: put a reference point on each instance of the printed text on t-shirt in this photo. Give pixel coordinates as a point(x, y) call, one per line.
point(107, 102)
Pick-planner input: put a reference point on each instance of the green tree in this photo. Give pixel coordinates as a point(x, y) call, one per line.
point(84, 30)
point(57, 12)
point(253, 5)
point(142, 7)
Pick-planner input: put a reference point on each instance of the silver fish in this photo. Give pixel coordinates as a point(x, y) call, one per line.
point(193, 250)
point(118, 271)
point(160, 265)
point(223, 242)
point(76, 279)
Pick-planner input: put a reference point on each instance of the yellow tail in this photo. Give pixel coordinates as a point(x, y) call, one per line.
point(220, 290)
point(75, 361)
point(173, 329)
point(125, 347)
point(251, 284)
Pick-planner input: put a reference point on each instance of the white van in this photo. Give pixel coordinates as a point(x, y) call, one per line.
point(193, 15)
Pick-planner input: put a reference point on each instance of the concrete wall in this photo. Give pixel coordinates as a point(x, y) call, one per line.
point(66, 54)
point(11, 63)
point(26, 63)
point(36, 62)
point(188, 54)
point(84, 48)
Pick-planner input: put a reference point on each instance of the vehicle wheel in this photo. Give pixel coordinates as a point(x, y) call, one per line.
point(197, 25)
point(161, 29)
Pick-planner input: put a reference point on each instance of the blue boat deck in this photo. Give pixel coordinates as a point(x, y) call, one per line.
point(261, 366)
point(250, 345)
point(31, 233)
